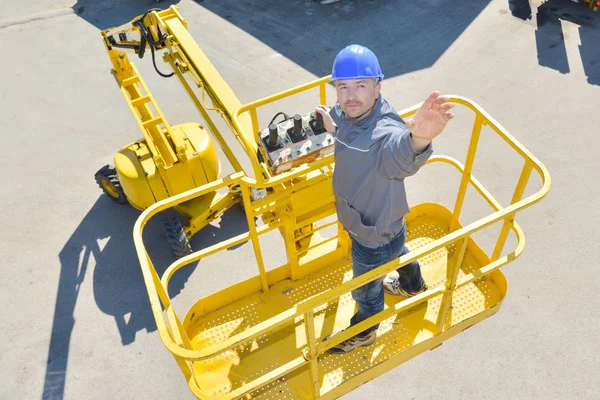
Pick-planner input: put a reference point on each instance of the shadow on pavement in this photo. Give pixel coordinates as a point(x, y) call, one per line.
point(549, 36)
point(103, 240)
point(105, 14)
point(406, 36)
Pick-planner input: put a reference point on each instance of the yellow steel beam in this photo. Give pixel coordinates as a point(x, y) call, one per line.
point(518, 193)
point(312, 353)
point(218, 90)
point(255, 242)
point(468, 168)
point(205, 116)
point(450, 283)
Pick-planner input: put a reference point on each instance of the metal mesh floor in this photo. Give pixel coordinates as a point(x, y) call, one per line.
point(236, 367)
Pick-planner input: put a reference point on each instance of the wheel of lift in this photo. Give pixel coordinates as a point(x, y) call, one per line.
point(108, 181)
point(176, 236)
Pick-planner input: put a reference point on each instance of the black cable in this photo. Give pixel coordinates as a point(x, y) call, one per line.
point(148, 12)
point(285, 117)
point(151, 43)
point(156, 68)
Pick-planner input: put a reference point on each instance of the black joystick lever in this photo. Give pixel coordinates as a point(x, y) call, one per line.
point(273, 135)
point(316, 123)
point(319, 124)
point(272, 140)
point(297, 125)
point(297, 132)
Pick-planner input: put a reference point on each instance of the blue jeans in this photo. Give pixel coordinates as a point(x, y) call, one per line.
point(370, 296)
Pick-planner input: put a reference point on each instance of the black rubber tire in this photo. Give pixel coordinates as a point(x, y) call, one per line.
point(108, 176)
point(180, 245)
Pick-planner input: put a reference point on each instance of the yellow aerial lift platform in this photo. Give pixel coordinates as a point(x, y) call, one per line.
point(267, 337)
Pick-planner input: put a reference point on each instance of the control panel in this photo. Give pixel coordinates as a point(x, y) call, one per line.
point(295, 141)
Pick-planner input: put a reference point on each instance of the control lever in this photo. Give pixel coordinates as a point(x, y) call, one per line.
point(297, 132)
point(297, 125)
point(319, 124)
point(273, 135)
point(316, 123)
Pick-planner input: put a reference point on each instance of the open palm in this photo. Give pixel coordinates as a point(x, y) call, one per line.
point(431, 118)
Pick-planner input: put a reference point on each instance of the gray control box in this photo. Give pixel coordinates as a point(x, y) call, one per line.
point(293, 142)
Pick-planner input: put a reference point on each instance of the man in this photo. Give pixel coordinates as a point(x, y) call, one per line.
point(374, 151)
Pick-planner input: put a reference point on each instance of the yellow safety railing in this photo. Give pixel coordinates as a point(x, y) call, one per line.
point(170, 328)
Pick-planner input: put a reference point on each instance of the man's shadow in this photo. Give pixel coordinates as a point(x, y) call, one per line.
point(549, 36)
point(103, 241)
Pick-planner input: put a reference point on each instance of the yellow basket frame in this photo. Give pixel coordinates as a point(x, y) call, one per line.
point(170, 327)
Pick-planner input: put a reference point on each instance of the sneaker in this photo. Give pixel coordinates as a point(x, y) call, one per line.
point(392, 286)
point(356, 341)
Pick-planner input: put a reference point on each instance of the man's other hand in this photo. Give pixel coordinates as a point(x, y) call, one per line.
point(327, 120)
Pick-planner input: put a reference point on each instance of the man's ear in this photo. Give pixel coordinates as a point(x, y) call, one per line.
point(377, 90)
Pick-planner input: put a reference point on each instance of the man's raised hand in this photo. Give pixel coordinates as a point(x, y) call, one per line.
point(430, 120)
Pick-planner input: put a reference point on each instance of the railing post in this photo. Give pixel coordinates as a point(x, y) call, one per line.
point(312, 353)
point(175, 329)
point(323, 93)
point(254, 238)
point(452, 271)
point(519, 190)
point(255, 128)
point(290, 241)
point(466, 176)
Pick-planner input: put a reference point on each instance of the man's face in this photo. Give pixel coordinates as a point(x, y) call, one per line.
point(357, 96)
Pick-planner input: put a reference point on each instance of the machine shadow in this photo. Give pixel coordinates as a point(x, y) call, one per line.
point(103, 242)
point(102, 238)
point(549, 36)
point(105, 14)
point(406, 36)
point(232, 223)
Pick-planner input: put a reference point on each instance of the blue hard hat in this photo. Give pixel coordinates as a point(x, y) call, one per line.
point(354, 62)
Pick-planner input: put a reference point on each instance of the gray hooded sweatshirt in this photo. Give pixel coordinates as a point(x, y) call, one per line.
point(372, 158)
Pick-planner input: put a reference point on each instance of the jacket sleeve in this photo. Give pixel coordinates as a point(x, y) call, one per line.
point(397, 159)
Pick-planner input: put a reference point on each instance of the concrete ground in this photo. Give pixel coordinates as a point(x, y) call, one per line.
point(76, 322)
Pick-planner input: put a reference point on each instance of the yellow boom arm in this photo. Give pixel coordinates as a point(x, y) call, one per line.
point(167, 30)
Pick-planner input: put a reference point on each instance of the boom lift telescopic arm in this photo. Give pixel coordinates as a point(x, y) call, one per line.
point(167, 30)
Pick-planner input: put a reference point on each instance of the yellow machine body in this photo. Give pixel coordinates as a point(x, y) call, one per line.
point(267, 337)
point(145, 183)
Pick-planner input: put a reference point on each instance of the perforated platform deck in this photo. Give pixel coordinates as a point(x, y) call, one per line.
point(222, 374)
